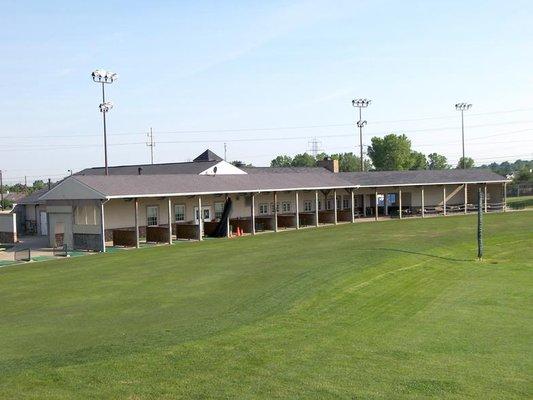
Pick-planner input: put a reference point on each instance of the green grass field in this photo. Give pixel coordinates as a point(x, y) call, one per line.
point(397, 309)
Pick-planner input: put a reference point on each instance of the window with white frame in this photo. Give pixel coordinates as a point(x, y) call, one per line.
point(219, 209)
point(345, 202)
point(152, 213)
point(319, 204)
point(272, 208)
point(179, 212)
point(263, 208)
point(308, 205)
point(286, 207)
point(339, 202)
point(329, 203)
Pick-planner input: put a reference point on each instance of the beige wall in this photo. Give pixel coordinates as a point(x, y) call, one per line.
point(119, 213)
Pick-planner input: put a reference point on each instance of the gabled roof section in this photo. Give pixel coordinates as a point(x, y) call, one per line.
point(73, 189)
point(207, 155)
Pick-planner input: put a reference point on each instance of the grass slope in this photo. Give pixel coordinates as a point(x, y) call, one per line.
point(395, 309)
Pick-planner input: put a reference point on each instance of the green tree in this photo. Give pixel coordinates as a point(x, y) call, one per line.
point(38, 184)
point(418, 161)
point(281, 161)
point(467, 163)
point(239, 164)
point(437, 161)
point(523, 176)
point(303, 160)
point(390, 153)
point(349, 162)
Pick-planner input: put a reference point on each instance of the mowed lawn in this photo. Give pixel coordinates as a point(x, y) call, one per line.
point(396, 309)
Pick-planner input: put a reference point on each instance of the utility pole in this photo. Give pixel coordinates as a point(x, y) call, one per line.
point(361, 103)
point(1, 191)
point(463, 107)
point(151, 144)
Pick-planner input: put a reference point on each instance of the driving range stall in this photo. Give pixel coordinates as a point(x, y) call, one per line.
point(163, 203)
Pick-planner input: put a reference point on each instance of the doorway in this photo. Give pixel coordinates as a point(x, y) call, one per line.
point(44, 223)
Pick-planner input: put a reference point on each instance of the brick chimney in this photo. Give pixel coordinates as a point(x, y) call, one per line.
point(329, 164)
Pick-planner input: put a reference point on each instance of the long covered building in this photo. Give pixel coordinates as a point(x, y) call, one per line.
point(210, 197)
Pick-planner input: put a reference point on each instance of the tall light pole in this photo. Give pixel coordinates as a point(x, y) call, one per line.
point(104, 77)
point(463, 107)
point(361, 103)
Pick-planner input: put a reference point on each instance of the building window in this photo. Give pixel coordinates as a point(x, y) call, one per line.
point(219, 210)
point(179, 212)
point(286, 207)
point(339, 202)
point(345, 202)
point(263, 208)
point(329, 203)
point(319, 204)
point(272, 208)
point(86, 215)
point(308, 205)
point(151, 215)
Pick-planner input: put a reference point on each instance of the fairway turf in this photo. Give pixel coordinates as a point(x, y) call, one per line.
point(395, 309)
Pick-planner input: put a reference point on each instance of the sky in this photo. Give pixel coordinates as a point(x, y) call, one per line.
point(264, 77)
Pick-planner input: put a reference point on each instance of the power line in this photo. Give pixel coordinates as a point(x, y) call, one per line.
point(253, 129)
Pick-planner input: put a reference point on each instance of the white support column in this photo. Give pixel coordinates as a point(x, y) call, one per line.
point(335, 206)
point(316, 208)
point(485, 197)
point(169, 208)
point(353, 206)
point(444, 198)
point(297, 210)
point(400, 203)
point(200, 220)
point(466, 197)
point(136, 207)
point(422, 202)
point(228, 227)
point(376, 205)
point(102, 225)
point(252, 213)
point(505, 196)
point(276, 211)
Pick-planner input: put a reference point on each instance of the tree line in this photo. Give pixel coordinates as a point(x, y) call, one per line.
point(390, 153)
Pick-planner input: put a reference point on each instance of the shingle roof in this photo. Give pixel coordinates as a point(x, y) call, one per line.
point(394, 178)
point(159, 185)
point(207, 155)
point(278, 170)
point(33, 198)
point(153, 169)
